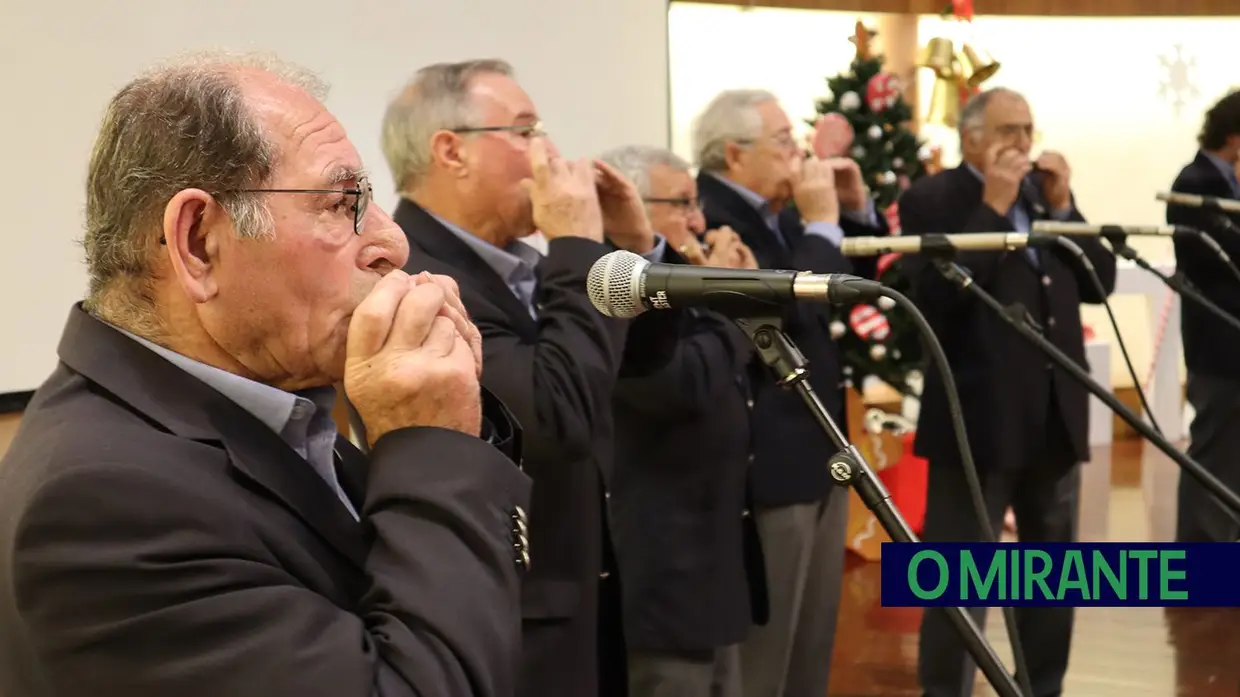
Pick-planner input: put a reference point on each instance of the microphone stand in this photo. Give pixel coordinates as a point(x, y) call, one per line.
point(1017, 317)
point(1176, 281)
point(849, 468)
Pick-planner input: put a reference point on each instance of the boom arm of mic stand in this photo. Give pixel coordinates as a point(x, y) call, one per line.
point(957, 275)
point(849, 468)
point(1176, 282)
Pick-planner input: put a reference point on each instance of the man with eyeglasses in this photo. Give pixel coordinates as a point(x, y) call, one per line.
point(1027, 421)
point(181, 515)
point(685, 541)
point(476, 174)
point(793, 213)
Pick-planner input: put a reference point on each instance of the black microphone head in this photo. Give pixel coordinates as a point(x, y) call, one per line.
point(613, 283)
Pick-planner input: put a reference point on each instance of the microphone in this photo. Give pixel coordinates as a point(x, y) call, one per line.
point(1194, 201)
point(938, 243)
point(622, 284)
point(1055, 227)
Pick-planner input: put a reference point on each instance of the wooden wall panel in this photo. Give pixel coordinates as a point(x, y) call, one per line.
point(1065, 8)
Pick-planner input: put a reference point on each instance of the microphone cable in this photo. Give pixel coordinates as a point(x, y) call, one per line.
point(934, 349)
point(1075, 249)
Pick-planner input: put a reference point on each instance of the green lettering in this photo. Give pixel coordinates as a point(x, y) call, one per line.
point(915, 586)
point(1143, 557)
point(1118, 584)
point(1164, 558)
point(1038, 576)
point(970, 578)
point(1072, 563)
point(1015, 586)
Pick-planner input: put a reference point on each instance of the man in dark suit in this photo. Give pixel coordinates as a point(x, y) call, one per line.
point(181, 516)
point(751, 170)
point(1210, 346)
point(1027, 420)
point(476, 174)
point(686, 543)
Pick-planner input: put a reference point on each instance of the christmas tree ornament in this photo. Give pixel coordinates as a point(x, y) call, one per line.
point(889, 146)
point(976, 65)
point(837, 329)
point(868, 323)
point(833, 135)
point(861, 38)
point(885, 303)
point(857, 152)
point(897, 162)
point(878, 352)
point(849, 101)
point(887, 178)
point(882, 92)
point(874, 133)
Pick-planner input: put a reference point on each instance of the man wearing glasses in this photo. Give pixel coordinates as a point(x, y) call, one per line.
point(476, 174)
point(752, 177)
point(1027, 421)
point(181, 516)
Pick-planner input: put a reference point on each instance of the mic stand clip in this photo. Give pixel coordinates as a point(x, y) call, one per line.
point(849, 469)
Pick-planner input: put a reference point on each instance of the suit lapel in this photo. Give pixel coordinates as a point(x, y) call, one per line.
point(970, 188)
point(730, 204)
point(187, 407)
point(428, 234)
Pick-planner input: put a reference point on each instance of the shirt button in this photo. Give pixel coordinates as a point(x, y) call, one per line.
point(1046, 280)
point(1050, 322)
point(751, 458)
point(749, 403)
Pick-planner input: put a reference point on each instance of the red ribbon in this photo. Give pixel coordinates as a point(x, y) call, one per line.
point(963, 9)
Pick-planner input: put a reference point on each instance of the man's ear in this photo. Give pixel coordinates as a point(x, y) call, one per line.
point(732, 154)
point(193, 222)
point(446, 152)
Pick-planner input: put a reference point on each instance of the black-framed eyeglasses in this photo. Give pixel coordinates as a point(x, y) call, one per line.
point(361, 197)
point(525, 130)
point(684, 205)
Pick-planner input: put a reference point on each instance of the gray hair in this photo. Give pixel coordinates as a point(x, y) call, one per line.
point(436, 99)
point(973, 114)
point(731, 116)
point(182, 125)
point(635, 161)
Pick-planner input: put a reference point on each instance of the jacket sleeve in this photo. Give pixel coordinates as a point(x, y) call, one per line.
point(130, 582)
point(559, 384)
point(702, 368)
point(1102, 259)
point(1201, 265)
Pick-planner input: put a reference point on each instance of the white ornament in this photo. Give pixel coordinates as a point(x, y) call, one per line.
point(875, 132)
point(878, 351)
point(925, 152)
point(888, 178)
point(857, 152)
point(849, 101)
point(897, 163)
point(837, 329)
point(886, 303)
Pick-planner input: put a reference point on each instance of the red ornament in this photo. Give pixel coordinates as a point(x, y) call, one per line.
point(963, 9)
point(882, 92)
point(869, 323)
point(893, 218)
point(833, 136)
point(1088, 332)
point(885, 262)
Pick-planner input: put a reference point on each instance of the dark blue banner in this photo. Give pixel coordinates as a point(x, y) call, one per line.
point(1108, 574)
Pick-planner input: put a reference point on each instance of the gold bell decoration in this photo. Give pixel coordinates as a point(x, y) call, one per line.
point(958, 75)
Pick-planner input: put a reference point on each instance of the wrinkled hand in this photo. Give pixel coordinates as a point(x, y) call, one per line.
point(813, 190)
point(1006, 168)
point(409, 359)
point(850, 186)
point(454, 309)
point(624, 214)
point(563, 195)
point(1056, 184)
point(727, 250)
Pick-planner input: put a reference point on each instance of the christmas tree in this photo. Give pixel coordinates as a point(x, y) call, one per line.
point(865, 117)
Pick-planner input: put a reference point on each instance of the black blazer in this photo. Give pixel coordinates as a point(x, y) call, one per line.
point(160, 540)
point(557, 375)
point(790, 447)
point(1006, 383)
point(1210, 346)
point(688, 548)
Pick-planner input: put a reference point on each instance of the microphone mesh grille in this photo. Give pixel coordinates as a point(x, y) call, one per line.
point(610, 283)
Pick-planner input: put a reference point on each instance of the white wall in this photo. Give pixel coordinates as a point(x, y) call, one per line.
point(596, 68)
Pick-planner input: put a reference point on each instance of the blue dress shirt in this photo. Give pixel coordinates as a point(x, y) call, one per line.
point(303, 421)
point(1228, 170)
point(515, 263)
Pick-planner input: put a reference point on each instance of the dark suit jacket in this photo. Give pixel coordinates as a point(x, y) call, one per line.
point(790, 447)
point(687, 546)
point(1210, 346)
point(1006, 383)
point(557, 374)
point(160, 540)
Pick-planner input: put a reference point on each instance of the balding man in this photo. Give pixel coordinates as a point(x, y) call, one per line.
point(477, 174)
point(180, 515)
point(687, 544)
point(1027, 420)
